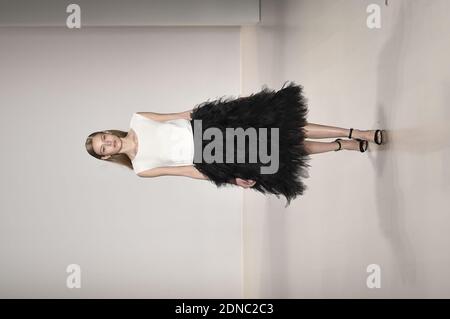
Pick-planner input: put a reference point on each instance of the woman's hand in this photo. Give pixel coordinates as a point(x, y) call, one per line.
point(244, 183)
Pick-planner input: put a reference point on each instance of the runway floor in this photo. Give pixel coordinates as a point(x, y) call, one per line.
point(387, 207)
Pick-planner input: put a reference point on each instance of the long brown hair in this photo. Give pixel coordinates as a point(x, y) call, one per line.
point(121, 158)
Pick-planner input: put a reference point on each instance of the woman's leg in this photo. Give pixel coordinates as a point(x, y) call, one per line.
point(318, 131)
point(322, 147)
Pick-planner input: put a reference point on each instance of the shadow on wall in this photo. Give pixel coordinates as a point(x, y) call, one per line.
point(389, 197)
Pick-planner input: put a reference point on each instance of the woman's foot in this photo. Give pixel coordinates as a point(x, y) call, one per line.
point(374, 136)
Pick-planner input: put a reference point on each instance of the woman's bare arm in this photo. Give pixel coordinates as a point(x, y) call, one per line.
point(188, 171)
point(162, 117)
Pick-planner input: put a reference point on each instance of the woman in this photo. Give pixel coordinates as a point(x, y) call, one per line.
point(167, 144)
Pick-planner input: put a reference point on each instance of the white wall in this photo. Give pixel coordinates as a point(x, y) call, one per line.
point(168, 237)
point(131, 12)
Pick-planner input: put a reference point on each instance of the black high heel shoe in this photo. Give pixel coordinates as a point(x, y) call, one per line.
point(362, 143)
point(375, 136)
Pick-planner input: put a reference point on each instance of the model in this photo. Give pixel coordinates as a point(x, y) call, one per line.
point(171, 144)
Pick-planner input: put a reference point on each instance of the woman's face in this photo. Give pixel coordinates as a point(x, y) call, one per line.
point(105, 144)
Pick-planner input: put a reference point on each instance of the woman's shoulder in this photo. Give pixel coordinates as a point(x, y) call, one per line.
point(134, 119)
point(137, 121)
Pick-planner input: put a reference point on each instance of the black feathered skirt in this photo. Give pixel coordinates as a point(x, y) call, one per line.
point(285, 109)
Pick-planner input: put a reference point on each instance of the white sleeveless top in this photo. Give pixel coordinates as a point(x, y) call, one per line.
point(168, 143)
